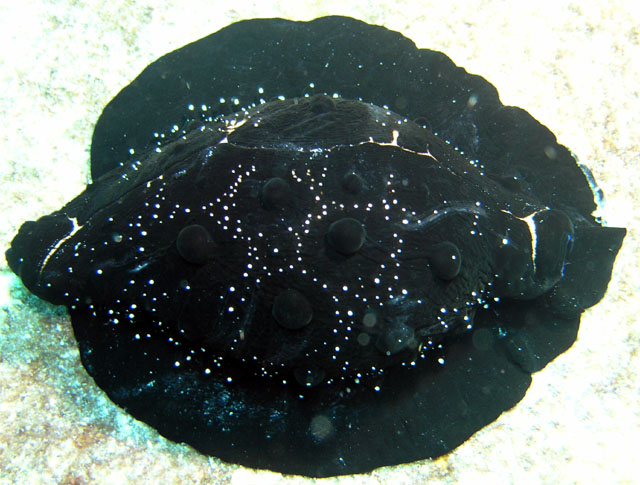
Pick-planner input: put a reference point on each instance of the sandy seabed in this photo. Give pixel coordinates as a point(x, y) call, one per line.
point(573, 65)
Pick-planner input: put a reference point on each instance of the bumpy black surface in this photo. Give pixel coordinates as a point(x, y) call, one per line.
point(316, 285)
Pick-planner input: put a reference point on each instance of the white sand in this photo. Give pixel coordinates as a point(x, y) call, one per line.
point(575, 66)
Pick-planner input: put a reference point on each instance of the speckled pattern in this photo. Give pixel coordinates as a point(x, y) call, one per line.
point(586, 112)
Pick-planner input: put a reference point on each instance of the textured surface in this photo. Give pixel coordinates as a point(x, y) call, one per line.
point(614, 331)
